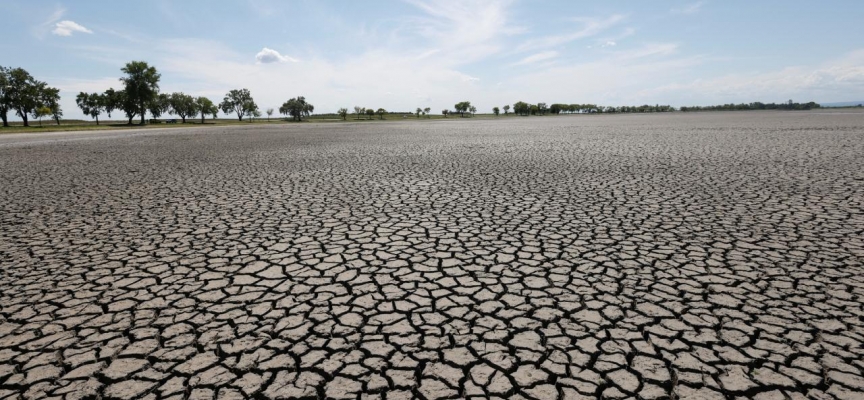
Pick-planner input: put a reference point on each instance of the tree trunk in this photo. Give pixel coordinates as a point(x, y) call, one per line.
point(97, 120)
point(24, 118)
point(130, 119)
point(202, 119)
point(183, 118)
point(143, 111)
point(5, 119)
point(57, 120)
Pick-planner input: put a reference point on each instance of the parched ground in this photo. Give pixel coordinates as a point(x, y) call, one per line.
point(700, 256)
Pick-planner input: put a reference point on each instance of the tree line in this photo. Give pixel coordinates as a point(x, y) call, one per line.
point(140, 94)
point(790, 105)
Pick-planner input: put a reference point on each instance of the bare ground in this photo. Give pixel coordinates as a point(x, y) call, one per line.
point(661, 256)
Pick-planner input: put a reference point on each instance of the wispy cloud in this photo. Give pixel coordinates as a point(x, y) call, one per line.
point(40, 30)
point(542, 56)
point(691, 8)
point(67, 28)
point(267, 56)
point(831, 79)
point(590, 27)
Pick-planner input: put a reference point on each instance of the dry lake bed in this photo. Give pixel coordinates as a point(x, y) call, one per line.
point(691, 256)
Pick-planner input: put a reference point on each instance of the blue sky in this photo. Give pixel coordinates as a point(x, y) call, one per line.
point(406, 54)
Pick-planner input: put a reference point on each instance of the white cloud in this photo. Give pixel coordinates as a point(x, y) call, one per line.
point(691, 8)
point(590, 27)
point(827, 81)
point(609, 43)
point(267, 56)
point(66, 28)
point(542, 56)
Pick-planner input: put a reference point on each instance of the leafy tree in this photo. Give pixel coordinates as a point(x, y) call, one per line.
point(161, 104)
point(359, 111)
point(269, 113)
point(256, 113)
point(110, 101)
point(91, 104)
point(23, 93)
point(50, 97)
point(521, 108)
point(141, 85)
point(343, 112)
point(42, 111)
point(206, 107)
point(381, 113)
point(541, 108)
point(297, 108)
point(183, 105)
point(238, 101)
point(462, 107)
point(496, 111)
point(370, 112)
point(4, 95)
point(418, 112)
point(445, 112)
point(426, 111)
point(506, 109)
point(473, 110)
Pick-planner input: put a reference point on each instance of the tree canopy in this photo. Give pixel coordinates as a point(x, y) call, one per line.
point(206, 107)
point(462, 107)
point(297, 108)
point(238, 101)
point(183, 105)
point(24, 94)
point(141, 88)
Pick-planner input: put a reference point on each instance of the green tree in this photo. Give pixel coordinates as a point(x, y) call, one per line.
point(183, 105)
point(506, 109)
point(91, 104)
point(4, 95)
point(541, 108)
point(42, 111)
point(358, 111)
point(159, 105)
point(370, 112)
point(297, 108)
point(426, 111)
point(521, 108)
point(24, 94)
point(110, 101)
point(141, 87)
point(445, 112)
point(206, 107)
point(343, 112)
point(496, 111)
point(473, 110)
point(238, 101)
point(462, 107)
point(418, 112)
point(381, 113)
point(50, 97)
point(269, 113)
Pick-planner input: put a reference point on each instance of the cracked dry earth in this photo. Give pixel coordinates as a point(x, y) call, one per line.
point(702, 256)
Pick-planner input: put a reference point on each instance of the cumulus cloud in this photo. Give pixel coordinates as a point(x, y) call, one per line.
point(267, 56)
point(609, 44)
point(67, 28)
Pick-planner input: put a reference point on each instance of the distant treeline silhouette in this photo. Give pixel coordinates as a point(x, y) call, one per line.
point(790, 105)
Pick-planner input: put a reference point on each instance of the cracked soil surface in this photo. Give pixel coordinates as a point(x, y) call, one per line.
point(700, 256)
